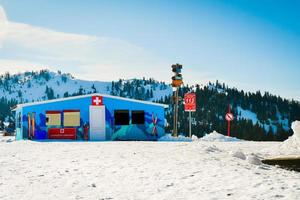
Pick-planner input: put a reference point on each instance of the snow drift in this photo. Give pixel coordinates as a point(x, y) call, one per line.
point(292, 144)
point(170, 138)
point(217, 137)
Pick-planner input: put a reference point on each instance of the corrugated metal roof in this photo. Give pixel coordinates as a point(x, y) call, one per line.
point(89, 95)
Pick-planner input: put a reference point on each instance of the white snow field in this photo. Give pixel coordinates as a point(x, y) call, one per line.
point(145, 170)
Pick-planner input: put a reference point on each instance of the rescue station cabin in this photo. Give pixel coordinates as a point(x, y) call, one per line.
point(92, 117)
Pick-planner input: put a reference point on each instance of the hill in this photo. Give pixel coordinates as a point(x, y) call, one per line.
point(46, 85)
point(257, 116)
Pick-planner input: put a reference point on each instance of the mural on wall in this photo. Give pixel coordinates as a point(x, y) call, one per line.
point(144, 122)
point(148, 131)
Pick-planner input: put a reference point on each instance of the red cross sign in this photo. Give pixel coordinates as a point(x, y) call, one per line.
point(97, 100)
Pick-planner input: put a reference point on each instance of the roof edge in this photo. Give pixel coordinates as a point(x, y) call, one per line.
point(89, 95)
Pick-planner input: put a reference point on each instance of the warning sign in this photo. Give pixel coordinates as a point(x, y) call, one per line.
point(190, 102)
point(229, 117)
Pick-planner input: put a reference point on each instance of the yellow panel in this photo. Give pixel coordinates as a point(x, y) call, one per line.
point(54, 119)
point(71, 118)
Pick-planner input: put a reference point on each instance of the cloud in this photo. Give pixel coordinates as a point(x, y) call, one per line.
point(3, 24)
point(16, 66)
point(85, 56)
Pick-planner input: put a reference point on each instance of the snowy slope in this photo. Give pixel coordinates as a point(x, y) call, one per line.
point(246, 114)
point(28, 87)
point(249, 115)
point(33, 89)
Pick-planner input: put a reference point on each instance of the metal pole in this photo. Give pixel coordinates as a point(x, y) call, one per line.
point(174, 115)
point(190, 124)
point(229, 111)
point(175, 121)
point(228, 128)
point(177, 99)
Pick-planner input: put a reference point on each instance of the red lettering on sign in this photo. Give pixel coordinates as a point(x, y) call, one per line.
point(190, 102)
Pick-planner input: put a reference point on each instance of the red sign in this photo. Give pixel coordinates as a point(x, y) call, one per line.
point(190, 102)
point(97, 100)
point(229, 117)
point(62, 133)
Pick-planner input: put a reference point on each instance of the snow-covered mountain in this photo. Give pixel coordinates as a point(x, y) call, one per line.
point(269, 124)
point(263, 115)
point(43, 85)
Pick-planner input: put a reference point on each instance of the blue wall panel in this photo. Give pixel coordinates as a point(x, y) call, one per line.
point(125, 132)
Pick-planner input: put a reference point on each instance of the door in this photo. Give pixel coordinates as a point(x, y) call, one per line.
point(97, 123)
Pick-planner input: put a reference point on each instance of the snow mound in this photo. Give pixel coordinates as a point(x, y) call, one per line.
point(6, 138)
point(194, 138)
point(170, 138)
point(217, 137)
point(254, 160)
point(292, 144)
point(212, 148)
point(238, 154)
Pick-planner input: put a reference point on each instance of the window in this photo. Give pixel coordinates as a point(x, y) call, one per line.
point(71, 117)
point(121, 117)
point(138, 117)
point(53, 118)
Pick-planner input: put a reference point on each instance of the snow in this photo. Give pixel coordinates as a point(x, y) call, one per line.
point(247, 114)
point(142, 170)
point(254, 159)
point(194, 138)
point(214, 87)
point(292, 145)
point(170, 138)
point(37, 88)
point(33, 89)
point(238, 154)
point(209, 167)
point(217, 137)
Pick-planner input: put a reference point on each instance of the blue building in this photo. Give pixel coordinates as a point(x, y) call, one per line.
point(92, 117)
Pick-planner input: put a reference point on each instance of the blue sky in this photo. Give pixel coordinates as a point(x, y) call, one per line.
point(252, 45)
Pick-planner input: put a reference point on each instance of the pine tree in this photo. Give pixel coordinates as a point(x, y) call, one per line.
point(94, 90)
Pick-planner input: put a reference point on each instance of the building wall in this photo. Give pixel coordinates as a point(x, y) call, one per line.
point(124, 132)
point(18, 117)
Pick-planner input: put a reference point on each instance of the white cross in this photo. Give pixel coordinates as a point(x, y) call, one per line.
point(97, 101)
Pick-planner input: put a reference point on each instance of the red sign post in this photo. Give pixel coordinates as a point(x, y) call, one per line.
point(229, 117)
point(190, 106)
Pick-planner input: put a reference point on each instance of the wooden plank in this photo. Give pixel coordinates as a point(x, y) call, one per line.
point(287, 162)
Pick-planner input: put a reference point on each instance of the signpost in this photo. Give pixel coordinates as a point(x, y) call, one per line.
point(229, 117)
point(190, 106)
point(176, 83)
